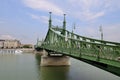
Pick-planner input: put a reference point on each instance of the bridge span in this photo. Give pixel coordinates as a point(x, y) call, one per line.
point(100, 53)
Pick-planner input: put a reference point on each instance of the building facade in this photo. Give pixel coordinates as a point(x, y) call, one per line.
point(8, 44)
point(2, 43)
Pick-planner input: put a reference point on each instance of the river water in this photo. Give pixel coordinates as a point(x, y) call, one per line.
point(27, 67)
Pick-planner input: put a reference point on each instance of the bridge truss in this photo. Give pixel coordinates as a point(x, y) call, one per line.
point(63, 41)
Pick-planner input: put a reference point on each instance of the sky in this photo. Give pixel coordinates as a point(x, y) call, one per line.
point(27, 20)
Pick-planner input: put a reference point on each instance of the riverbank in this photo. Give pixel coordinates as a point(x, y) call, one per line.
point(27, 50)
point(24, 50)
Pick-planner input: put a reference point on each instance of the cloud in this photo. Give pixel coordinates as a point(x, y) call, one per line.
point(111, 32)
point(43, 5)
point(87, 16)
point(84, 10)
point(89, 10)
point(34, 16)
point(44, 19)
point(6, 37)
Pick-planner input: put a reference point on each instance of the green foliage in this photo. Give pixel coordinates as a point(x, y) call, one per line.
point(27, 46)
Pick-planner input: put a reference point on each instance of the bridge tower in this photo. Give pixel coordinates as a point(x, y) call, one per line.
point(50, 58)
point(50, 20)
point(64, 25)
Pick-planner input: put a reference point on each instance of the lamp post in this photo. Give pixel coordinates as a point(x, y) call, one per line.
point(101, 31)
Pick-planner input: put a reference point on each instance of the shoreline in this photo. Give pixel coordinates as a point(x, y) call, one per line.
point(25, 50)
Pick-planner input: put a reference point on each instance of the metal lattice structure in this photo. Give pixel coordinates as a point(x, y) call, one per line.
point(63, 41)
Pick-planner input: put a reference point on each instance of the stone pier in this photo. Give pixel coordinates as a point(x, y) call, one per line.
point(54, 60)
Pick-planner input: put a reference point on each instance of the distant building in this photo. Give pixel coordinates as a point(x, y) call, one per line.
point(2, 43)
point(10, 44)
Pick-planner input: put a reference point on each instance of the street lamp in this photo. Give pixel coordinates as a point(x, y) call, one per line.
point(101, 31)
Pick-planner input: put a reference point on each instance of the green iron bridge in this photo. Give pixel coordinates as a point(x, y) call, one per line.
point(100, 53)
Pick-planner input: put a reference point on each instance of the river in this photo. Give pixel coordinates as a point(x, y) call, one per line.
point(27, 67)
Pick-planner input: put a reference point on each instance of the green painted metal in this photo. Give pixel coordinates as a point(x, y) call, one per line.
point(50, 21)
point(64, 26)
point(63, 41)
point(83, 47)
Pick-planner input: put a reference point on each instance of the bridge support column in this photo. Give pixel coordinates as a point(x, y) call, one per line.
point(55, 60)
